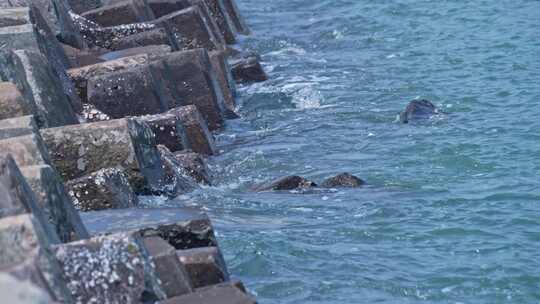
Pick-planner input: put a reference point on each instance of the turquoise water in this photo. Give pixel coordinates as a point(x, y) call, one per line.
point(452, 210)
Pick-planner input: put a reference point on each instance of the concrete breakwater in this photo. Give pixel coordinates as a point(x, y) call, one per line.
point(102, 101)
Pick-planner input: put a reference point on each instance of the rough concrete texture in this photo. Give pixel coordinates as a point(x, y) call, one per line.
point(222, 19)
point(248, 70)
point(14, 16)
point(182, 228)
point(18, 126)
point(192, 80)
point(187, 29)
point(132, 92)
point(222, 294)
point(108, 269)
point(81, 6)
point(198, 137)
point(105, 189)
point(226, 82)
point(152, 37)
point(119, 13)
point(292, 182)
point(236, 18)
point(25, 244)
point(79, 150)
point(205, 266)
point(53, 199)
point(168, 129)
point(16, 197)
point(12, 102)
point(80, 76)
point(40, 86)
point(18, 291)
point(343, 180)
point(172, 275)
point(153, 51)
point(91, 114)
point(27, 150)
point(79, 58)
point(195, 165)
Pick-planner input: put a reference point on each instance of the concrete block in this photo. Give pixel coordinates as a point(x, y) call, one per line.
point(18, 126)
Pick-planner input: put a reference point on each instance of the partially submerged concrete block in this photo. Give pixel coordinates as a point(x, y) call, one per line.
point(18, 126)
point(248, 70)
point(192, 80)
point(222, 19)
point(79, 150)
point(188, 30)
point(131, 92)
point(53, 199)
point(168, 128)
point(291, 182)
point(198, 137)
point(24, 251)
point(205, 266)
point(177, 179)
point(12, 103)
point(235, 16)
point(27, 150)
point(222, 294)
point(183, 228)
point(195, 165)
point(40, 87)
point(226, 82)
point(108, 269)
point(172, 275)
point(18, 291)
point(105, 189)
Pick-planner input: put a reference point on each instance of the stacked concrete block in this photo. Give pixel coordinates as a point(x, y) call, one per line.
point(27, 150)
point(222, 19)
point(18, 126)
point(205, 266)
point(198, 137)
point(120, 12)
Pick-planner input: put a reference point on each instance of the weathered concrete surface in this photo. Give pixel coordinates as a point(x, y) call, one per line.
point(79, 58)
point(27, 150)
point(81, 6)
point(24, 250)
point(133, 92)
point(53, 199)
point(222, 19)
point(18, 291)
point(198, 137)
point(232, 283)
point(287, 183)
point(343, 180)
point(182, 228)
point(16, 197)
point(12, 103)
point(14, 16)
point(105, 189)
point(152, 37)
point(18, 126)
point(177, 180)
point(236, 18)
point(187, 29)
point(91, 114)
point(119, 13)
point(79, 150)
point(222, 294)
point(248, 70)
point(205, 266)
point(108, 269)
point(153, 51)
point(40, 87)
point(195, 166)
point(168, 129)
point(192, 80)
point(226, 82)
point(172, 275)
point(418, 110)
point(80, 76)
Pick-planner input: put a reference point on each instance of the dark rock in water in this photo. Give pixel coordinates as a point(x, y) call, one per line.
point(12, 103)
point(152, 51)
point(152, 37)
point(27, 150)
point(53, 199)
point(205, 266)
point(345, 180)
point(247, 70)
point(226, 82)
point(40, 87)
point(191, 79)
point(418, 109)
point(172, 275)
point(24, 252)
point(187, 30)
point(221, 294)
point(287, 183)
point(18, 291)
point(198, 137)
point(105, 189)
point(79, 150)
point(195, 165)
point(18, 126)
point(177, 181)
point(183, 228)
point(109, 269)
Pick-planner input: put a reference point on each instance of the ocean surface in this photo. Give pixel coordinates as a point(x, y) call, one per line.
point(451, 212)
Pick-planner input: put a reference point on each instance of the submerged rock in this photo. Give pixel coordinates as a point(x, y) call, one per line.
point(287, 183)
point(418, 109)
point(344, 180)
